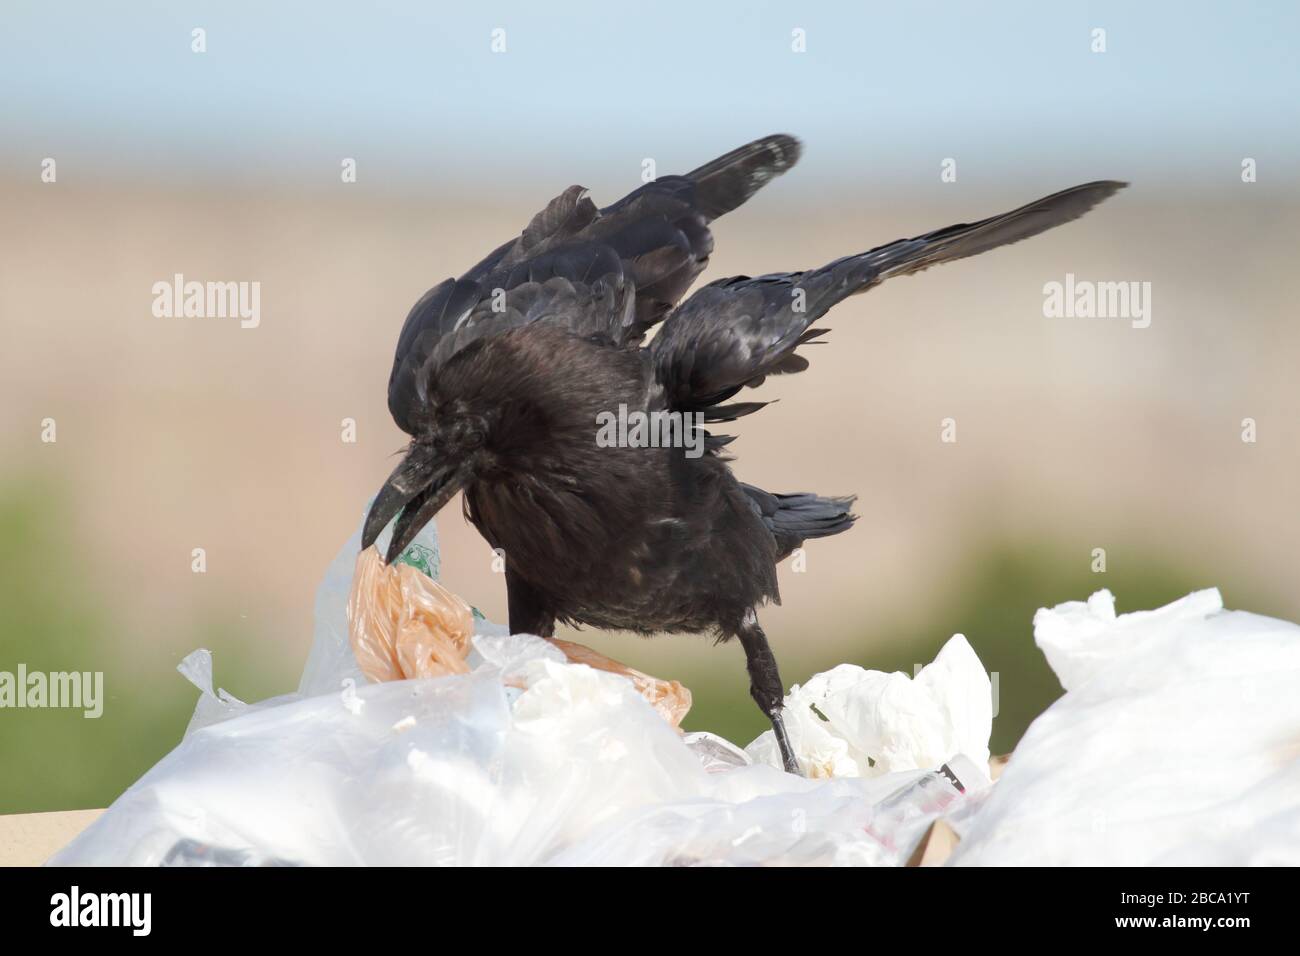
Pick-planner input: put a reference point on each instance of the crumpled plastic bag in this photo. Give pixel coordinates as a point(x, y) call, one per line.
point(1177, 743)
point(852, 722)
point(669, 698)
point(402, 624)
point(213, 705)
point(331, 661)
point(528, 759)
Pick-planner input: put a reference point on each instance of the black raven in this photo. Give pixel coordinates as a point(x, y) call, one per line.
point(502, 376)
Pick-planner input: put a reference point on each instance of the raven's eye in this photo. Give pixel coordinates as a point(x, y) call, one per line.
point(466, 434)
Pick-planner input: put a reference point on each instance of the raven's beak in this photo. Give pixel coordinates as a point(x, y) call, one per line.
point(419, 489)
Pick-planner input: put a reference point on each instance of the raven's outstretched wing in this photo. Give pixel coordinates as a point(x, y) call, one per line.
point(734, 332)
point(610, 273)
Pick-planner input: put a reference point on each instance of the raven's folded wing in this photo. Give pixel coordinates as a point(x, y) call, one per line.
point(610, 273)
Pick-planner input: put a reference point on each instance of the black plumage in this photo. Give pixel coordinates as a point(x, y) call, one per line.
point(501, 376)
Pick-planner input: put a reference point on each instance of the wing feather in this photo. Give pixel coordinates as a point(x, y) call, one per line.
point(624, 266)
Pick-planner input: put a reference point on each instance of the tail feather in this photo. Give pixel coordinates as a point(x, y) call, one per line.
point(795, 518)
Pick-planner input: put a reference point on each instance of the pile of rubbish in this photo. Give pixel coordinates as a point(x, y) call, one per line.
point(422, 734)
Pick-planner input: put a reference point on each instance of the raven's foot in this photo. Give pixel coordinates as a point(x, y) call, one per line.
point(765, 684)
point(788, 759)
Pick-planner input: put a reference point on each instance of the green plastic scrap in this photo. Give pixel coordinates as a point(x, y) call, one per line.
point(421, 558)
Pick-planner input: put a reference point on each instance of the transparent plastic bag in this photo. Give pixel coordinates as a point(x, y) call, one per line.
point(525, 752)
point(1173, 744)
point(528, 759)
point(669, 698)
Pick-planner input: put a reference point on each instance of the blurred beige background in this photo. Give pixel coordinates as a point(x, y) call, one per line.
point(177, 433)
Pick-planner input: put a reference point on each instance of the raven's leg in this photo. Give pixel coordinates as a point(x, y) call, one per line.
point(528, 612)
point(765, 683)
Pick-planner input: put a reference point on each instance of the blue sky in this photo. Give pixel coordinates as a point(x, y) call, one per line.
point(413, 91)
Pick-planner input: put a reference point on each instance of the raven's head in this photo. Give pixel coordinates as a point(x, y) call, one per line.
point(476, 416)
point(518, 408)
point(444, 456)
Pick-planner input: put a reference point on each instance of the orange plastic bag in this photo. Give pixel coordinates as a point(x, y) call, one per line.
point(403, 624)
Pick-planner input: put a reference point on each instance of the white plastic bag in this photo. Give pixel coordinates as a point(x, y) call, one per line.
point(1177, 742)
point(852, 722)
point(530, 759)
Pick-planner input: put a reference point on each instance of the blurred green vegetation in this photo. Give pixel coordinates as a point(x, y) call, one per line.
point(54, 617)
